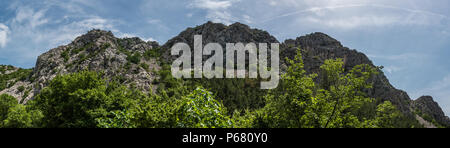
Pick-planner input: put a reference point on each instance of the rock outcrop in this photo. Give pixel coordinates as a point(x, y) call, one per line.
point(121, 59)
point(428, 108)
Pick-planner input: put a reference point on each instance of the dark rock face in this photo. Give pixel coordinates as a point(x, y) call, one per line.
point(318, 47)
point(219, 33)
point(426, 105)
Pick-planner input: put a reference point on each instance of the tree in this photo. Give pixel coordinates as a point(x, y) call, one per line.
point(120, 119)
point(286, 105)
point(201, 110)
point(387, 116)
point(21, 117)
point(78, 99)
point(6, 102)
point(299, 103)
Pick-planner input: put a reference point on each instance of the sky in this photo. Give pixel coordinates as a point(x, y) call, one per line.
point(410, 38)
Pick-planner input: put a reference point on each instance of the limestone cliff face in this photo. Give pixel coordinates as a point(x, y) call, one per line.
point(129, 60)
point(98, 50)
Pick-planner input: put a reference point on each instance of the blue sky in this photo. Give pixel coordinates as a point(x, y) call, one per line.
point(410, 38)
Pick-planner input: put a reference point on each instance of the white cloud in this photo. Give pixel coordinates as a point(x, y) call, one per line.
point(27, 16)
point(95, 23)
point(189, 15)
point(353, 21)
point(400, 57)
point(154, 21)
point(392, 69)
point(353, 14)
point(4, 32)
point(212, 4)
point(217, 10)
point(149, 39)
point(128, 35)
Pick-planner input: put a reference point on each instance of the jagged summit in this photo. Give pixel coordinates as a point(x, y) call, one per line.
point(318, 39)
point(427, 107)
point(93, 35)
point(220, 33)
point(99, 50)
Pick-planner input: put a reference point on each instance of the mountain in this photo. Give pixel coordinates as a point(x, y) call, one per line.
point(135, 63)
point(123, 59)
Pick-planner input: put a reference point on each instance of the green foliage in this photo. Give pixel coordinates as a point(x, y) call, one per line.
point(21, 88)
point(334, 98)
point(65, 55)
point(287, 105)
point(87, 46)
point(21, 117)
point(145, 67)
point(8, 80)
point(6, 102)
point(299, 103)
point(121, 119)
point(77, 100)
point(152, 53)
point(135, 58)
point(387, 116)
point(201, 110)
point(14, 115)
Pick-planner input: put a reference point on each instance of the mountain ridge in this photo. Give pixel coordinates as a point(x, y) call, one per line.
point(136, 62)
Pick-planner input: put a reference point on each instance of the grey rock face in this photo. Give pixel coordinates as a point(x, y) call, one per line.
point(98, 51)
point(426, 105)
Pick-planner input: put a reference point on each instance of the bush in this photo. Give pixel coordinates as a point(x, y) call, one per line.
point(201, 110)
point(21, 117)
point(65, 55)
point(6, 102)
point(152, 53)
point(135, 58)
point(21, 88)
point(77, 100)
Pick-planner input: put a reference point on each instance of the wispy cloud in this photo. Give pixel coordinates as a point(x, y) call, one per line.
point(399, 57)
point(27, 16)
point(4, 32)
point(217, 10)
point(359, 15)
point(392, 69)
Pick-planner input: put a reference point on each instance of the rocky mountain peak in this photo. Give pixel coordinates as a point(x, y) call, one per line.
point(426, 107)
point(126, 59)
point(317, 39)
point(220, 33)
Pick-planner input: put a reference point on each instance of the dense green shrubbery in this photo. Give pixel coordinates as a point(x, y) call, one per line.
point(15, 115)
point(8, 80)
point(85, 99)
point(201, 110)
